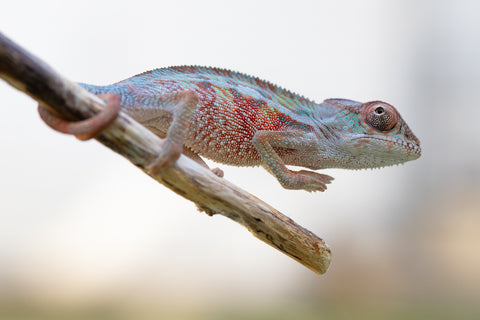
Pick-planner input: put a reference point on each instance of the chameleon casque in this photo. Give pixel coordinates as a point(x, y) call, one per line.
point(236, 119)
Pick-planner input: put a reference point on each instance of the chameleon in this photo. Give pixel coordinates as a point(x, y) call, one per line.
point(237, 119)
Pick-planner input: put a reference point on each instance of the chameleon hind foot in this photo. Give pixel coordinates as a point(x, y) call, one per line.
point(84, 129)
point(168, 155)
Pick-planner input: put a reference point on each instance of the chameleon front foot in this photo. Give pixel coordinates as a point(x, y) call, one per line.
point(84, 129)
point(307, 180)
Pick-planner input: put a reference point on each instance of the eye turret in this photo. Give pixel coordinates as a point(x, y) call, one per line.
point(380, 116)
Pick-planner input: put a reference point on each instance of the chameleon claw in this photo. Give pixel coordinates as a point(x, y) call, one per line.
point(84, 129)
point(218, 172)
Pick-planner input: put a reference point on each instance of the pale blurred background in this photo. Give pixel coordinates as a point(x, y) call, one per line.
point(86, 235)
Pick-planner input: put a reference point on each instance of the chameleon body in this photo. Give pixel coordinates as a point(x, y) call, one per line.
point(240, 120)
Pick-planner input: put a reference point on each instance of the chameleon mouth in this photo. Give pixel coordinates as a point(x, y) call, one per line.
point(412, 148)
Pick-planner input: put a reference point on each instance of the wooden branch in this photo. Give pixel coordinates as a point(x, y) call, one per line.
point(187, 178)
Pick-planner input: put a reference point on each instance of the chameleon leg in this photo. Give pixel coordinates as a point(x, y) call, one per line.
point(84, 129)
point(264, 141)
point(186, 151)
point(185, 103)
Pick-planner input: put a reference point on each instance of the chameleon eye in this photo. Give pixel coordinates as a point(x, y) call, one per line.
point(382, 117)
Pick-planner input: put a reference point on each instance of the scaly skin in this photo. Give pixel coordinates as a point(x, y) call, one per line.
point(240, 120)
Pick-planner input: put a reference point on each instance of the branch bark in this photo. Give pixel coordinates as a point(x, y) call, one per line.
point(213, 195)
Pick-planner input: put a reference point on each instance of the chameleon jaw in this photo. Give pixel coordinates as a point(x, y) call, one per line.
point(389, 150)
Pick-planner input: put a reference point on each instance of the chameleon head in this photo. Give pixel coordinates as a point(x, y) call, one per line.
point(373, 134)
